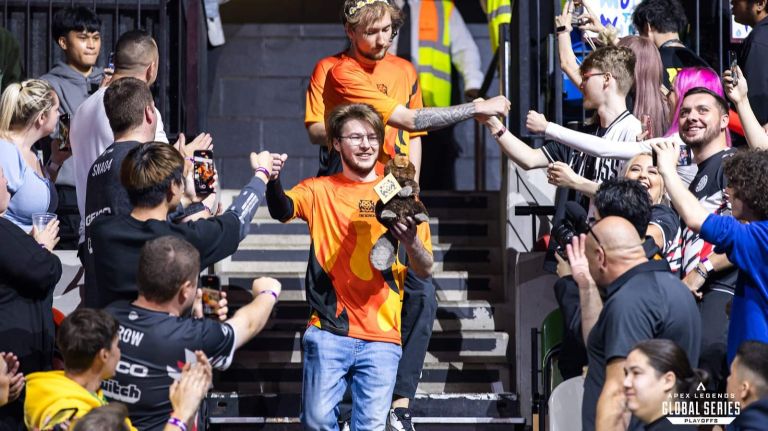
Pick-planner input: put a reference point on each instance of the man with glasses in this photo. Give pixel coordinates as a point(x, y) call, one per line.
point(354, 336)
point(638, 299)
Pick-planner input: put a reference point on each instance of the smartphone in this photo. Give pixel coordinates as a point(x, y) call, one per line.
point(733, 60)
point(204, 173)
point(578, 11)
point(211, 286)
point(685, 158)
point(111, 61)
point(64, 132)
point(63, 415)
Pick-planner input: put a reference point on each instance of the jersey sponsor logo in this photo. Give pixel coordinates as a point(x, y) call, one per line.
point(130, 336)
point(102, 167)
point(92, 216)
point(135, 370)
point(129, 394)
point(383, 88)
point(133, 315)
point(702, 183)
point(226, 329)
point(366, 207)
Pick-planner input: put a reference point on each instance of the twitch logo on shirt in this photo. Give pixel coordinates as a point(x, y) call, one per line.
point(129, 394)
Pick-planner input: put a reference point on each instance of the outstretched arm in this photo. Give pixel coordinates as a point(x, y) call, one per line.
point(424, 119)
point(753, 130)
point(517, 150)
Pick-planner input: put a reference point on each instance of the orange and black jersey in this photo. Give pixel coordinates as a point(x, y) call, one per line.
point(346, 294)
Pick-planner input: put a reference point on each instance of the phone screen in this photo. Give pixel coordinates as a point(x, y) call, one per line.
point(734, 63)
point(211, 286)
point(204, 173)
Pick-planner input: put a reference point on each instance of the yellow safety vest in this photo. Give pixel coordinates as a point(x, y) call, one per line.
point(435, 52)
point(499, 12)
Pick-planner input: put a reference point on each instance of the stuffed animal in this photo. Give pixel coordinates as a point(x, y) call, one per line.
point(402, 205)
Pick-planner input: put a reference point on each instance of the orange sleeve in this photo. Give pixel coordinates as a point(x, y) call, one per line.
point(350, 84)
point(315, 111)
point(302, 196)
point(415, 100)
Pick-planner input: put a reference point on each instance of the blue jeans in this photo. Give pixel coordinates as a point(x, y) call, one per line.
point(333, 362)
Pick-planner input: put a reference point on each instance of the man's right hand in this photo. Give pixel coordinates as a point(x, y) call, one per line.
point(495, 106)
point(536, 123)
point(263, 284)
point(278, 161)
point(737, 93)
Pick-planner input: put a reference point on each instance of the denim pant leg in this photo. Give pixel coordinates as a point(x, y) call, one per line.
point(373, 380)
point(418, 316)
point(327, 362)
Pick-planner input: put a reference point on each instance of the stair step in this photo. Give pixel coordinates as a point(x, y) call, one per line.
point(450, 316)
point(293, 259)
point(245, 376)
point(464, 346)
point(464, 232)
point(285, 405)
point(450, 285)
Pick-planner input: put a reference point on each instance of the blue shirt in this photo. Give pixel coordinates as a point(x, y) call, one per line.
point(30, 193)
point(746, 246)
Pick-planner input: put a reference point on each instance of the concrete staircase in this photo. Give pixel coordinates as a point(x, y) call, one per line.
point(467, 377)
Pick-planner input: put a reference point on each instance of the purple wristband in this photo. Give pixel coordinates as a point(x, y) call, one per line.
point(271, 292)
point(264, 171)
point(178, 423)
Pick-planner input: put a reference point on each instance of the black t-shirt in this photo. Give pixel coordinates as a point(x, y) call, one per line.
point(154, 346)
point(645, 302)
point(668, 222)
point(104, 196)
point(751, 59)
point(674, 58)
point(709, 188)
point(116, 242)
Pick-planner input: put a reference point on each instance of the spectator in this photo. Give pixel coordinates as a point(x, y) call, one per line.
point(135, 56)
point(748, 383)
point(664, 22)
point(753, 130)
point(685, 80)
point(153, 176)
point(30, 273)
point(88, 341)
point(369, 28)
point(28, 112)
point(111, 417)
point(753, 51)
point(331, 338)
point(740, 235)
point(435, 54)
point(10, 59)
point(9, 365)
point(131, 113)
point(77, 31)
point(642, 300)
point(657, 371)
point(158, 334)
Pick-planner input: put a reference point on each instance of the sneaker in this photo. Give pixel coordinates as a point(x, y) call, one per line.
point(399, 420)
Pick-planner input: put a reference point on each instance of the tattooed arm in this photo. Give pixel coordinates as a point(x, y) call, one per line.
point(436, 118)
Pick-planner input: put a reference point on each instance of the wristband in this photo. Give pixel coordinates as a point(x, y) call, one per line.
point(501, 131)
point(707, 265)
point(560, 29)
point(271, 292)
point(178, 423)
point(702, 273)
point(264, 171)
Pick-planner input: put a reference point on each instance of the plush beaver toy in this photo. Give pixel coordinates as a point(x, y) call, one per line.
point(402, 205)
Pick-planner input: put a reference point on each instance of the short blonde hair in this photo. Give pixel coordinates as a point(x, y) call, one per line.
point(355, 15)
point(618, 61)
point(357, 111)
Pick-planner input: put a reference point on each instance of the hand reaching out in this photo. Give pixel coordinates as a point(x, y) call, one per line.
point(536, 122)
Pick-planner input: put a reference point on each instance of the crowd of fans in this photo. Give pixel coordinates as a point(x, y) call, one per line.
point(663, 282)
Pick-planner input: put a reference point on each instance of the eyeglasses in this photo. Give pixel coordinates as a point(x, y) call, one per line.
point(357, 140)
point(591, 232)
point(586, 76)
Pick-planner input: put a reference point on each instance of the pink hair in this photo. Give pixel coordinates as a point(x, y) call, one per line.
point(648, 78)
point(688, 78)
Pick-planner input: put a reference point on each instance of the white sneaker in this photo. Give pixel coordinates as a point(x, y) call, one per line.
point(399, 419)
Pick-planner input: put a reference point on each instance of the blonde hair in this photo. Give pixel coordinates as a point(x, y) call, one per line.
point(366, 12)
point(22, 104)
point(618, 61)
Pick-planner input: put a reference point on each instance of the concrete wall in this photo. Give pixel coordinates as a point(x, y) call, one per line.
point(257, 102)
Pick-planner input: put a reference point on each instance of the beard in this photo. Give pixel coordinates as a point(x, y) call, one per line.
point(709, 135)
point(375, 56)
point(354, 166)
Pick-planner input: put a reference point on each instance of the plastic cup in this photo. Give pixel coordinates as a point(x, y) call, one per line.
point(41, 220)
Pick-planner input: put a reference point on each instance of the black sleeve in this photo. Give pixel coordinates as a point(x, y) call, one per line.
point(567, 294)
point(246, 203)
point(667, 220)
point(279, 204)
point(24, 263)
point(556, 152)
point(218, 342)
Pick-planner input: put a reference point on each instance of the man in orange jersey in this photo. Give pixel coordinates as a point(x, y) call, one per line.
point(354, 333)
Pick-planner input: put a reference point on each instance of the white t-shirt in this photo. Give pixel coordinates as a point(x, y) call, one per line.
point(89, 136)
